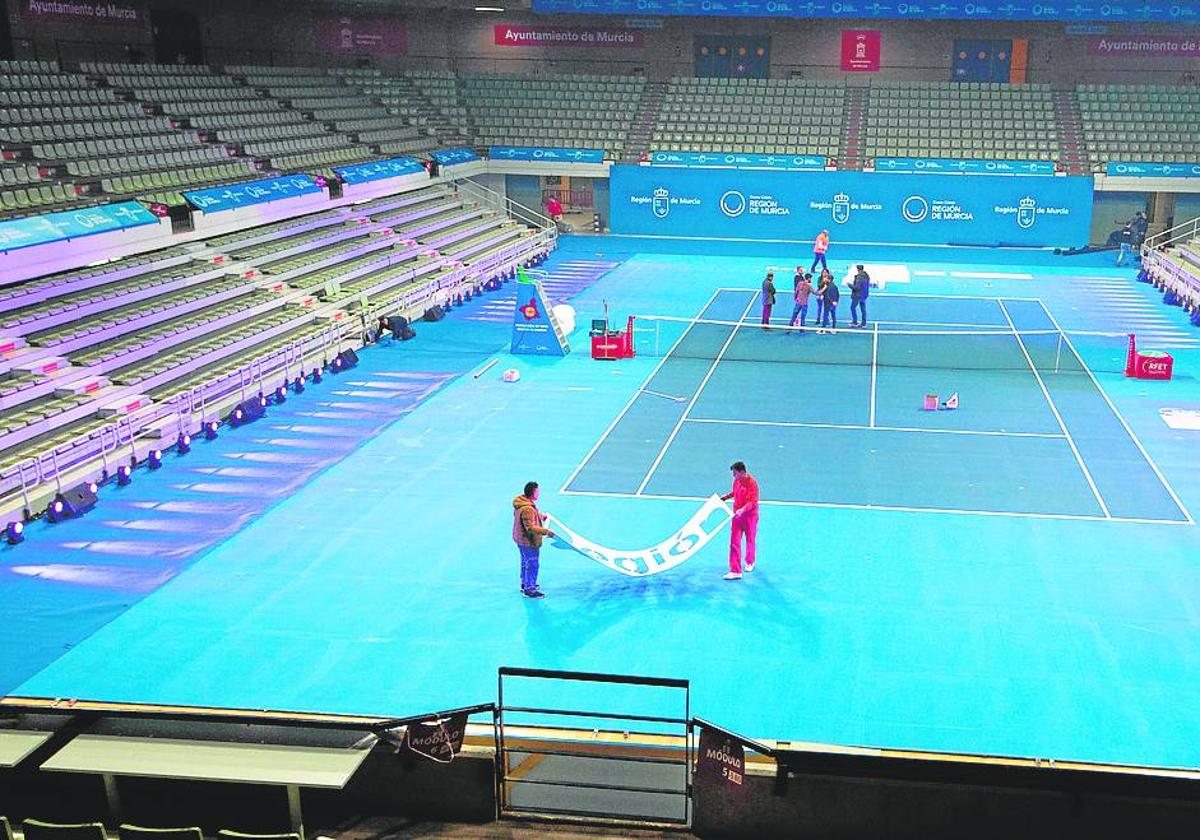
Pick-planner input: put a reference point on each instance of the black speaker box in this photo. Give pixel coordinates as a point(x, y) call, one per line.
point(400, 328)
point(78, 500)
point(435, 313)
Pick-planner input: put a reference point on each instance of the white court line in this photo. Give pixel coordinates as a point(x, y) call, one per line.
point(699, 390)
point(929, 274)
point(911, 295)
point(1120, 418)
point(874, 369)
point(856, 427)
point(1049, 401)
point(575, 473)
point(990, 275)
point(1075, 517)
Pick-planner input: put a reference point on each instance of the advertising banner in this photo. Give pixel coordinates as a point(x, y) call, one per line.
point(377, 170)
point(449, 157)
point(728, 160)
point(720, 760)
point(861, 50)
point(853, 206)
point(72, 224)
point(119, 12)
point(544, 154)
point(1145, 46)
point(1153, 170)
point(671, 552)
point(520, 35)
point(361, 35)
point(438, 740)
point(873, 10)
point(951, 166)
point(219, 199)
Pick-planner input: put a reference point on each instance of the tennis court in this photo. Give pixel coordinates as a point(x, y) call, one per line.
point(836, 419)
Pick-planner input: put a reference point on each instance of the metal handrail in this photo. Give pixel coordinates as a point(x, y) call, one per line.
point(511, 208)
point(1183, 230)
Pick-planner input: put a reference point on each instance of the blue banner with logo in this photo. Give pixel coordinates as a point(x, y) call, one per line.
point(535, 332)
point(543, 154)
point(450, 157)
point(72, 224)
point(738, 161)
point(249, 193)
point(951, 166)
point(1153, 170)
point(852, 206)
point(1133, 10)
point(377, 170)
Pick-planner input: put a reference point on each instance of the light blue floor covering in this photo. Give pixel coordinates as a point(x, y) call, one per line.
point(387, 583)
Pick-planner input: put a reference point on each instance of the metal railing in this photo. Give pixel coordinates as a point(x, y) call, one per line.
point(501, 202)
point(1182, 231)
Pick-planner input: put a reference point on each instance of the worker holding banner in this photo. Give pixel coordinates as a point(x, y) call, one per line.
point(745, 519)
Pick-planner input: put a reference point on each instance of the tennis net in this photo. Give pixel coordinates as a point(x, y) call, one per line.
point(982, 348)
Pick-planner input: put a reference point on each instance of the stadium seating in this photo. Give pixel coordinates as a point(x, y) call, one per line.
point(564, 111)
point(1139, 123)
point(322, 99)
point(161, 325)
point(771, 116)
point(39, 830)
point(136, 832)
point(984, 121)
point(395, 126)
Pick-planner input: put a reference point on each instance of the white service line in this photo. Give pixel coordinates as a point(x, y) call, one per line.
point(699, 390)
point(1121, 419)
point(1074, 517)
point(1053, 408)
point(857, 427)
point(574, 474)
point(990, 275)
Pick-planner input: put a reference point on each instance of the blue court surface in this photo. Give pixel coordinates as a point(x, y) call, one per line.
point(1016, 577)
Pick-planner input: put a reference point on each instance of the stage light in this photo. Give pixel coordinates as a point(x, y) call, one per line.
point(124, 475)
point(210, 430)
point(237, 416)
point(56, 510)
point(317, 375)
point(155, 458)
point(298, 385)
point(183, 444)
point(14, 532)
point(281, 394)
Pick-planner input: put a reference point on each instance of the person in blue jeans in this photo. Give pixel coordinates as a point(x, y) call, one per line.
point(803, 289)
point(830, 297)
point(529, 528)
point(860, 289)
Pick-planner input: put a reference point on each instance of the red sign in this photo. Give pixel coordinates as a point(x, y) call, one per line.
point(125, 12)
point(1145, 46)
point(517, 35)
point(362, 35)
point(861, 50)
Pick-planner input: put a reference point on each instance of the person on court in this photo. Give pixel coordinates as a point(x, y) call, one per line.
point(824, 280)
point(768, 297)
point(820, 246)
point(831, 295)
point(745, 519)
point(529, 528)
point(802, 292)
point(860, 289)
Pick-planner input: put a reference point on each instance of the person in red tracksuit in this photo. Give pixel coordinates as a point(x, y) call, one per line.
point(745, 520)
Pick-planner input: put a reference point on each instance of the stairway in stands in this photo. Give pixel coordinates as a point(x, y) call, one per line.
point(1072, 149)
point(449, 133)
point(564, 280)
point(851, 153)
point(641, 130)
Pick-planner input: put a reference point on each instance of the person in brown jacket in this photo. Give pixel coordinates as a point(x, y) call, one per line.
point(529, 527)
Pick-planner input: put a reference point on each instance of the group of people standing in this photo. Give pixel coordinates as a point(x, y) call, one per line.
point(828, 296)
